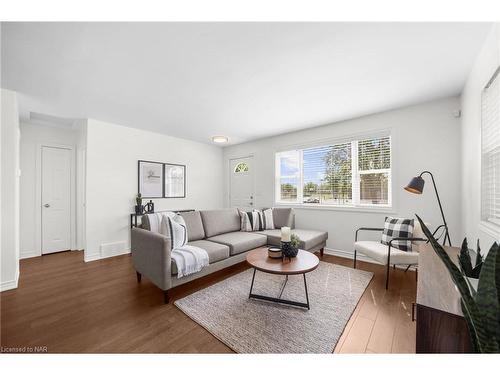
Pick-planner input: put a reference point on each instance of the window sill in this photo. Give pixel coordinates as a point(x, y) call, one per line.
point(305, 206)
point(490, 228)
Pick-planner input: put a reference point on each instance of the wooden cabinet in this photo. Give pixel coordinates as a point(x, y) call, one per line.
point(441, 327)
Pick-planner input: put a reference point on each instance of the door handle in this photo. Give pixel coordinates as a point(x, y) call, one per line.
point(46, 205)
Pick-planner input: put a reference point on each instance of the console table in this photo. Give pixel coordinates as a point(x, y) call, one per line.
point(133, 217)
point(441, 327)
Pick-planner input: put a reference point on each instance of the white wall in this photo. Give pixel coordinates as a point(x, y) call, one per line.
point(486, 63)
point(9, 250)
point(81, 170)
point(33, 137)
point(424, 137)
point(112, 155)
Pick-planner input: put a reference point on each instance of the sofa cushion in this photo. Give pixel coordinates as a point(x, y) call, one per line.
point(240, 242)
point(308, 238)
point(283, 217)
point(194, 225)
point(216, 252)
point(220, 221)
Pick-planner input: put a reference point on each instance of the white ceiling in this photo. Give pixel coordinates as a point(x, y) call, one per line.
point(241, 80)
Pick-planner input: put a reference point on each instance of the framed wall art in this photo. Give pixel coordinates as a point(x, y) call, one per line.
point(175, 181)
point(151, 177)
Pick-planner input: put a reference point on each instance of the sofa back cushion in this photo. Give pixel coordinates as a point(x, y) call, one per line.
point(220, 221)
point(194, 225)
point(283, 217)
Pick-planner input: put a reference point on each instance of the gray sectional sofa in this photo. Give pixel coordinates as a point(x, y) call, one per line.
point(216, 231)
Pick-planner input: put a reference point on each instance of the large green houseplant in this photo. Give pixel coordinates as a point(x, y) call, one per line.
point(481, 308)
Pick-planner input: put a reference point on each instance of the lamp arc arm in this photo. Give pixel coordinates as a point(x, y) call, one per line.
point(447, 235)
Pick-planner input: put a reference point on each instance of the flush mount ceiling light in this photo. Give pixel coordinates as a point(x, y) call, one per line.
point(220, 139)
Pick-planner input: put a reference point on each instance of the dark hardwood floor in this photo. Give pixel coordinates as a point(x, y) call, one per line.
point(71, 306)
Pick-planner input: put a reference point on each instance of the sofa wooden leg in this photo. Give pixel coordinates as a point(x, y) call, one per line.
point(139, 277)
point(166, 298)
point(321, 252)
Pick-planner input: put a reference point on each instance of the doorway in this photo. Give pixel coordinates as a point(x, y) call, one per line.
point(241, 183)
point(56, 199)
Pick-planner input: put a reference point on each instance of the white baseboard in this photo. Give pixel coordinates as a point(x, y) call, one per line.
point(28, 255)
point(112, 249)
point(105, 254)
point(91, 257)
point(348, 254)
point(360, 257)
point(10, 284)
point(115, 253)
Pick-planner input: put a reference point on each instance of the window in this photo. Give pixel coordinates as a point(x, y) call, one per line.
point(289, 176)
point(490, 151)
point(351, 174)
point(241, 167)
point(374, 168)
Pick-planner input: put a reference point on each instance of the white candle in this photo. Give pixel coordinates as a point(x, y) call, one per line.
point(285, 234)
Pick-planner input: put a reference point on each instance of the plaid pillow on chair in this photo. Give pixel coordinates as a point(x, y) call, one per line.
point(394, 228)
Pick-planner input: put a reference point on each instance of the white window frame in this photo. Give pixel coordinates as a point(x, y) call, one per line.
point(356, 205)
point(490, 225)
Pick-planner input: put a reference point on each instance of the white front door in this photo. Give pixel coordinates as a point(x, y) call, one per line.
point(56, 198)
point(241, 183)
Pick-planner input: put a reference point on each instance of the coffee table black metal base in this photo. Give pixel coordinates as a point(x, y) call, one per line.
point(279, 299)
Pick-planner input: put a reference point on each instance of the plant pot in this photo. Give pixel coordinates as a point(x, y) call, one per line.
point(139, 209)
point(288, 250)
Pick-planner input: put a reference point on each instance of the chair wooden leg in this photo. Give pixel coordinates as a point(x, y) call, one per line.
point(139, 277)
point(321, 252)
point(355, 258)
point(166, 298)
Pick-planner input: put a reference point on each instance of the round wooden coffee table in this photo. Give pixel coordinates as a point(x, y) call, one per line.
point(303, 263)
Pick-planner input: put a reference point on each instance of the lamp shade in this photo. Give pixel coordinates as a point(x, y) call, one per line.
point(416, 185)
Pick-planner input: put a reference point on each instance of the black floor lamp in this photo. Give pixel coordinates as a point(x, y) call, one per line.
point(416, 186)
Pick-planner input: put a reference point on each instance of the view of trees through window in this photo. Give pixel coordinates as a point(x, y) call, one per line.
point(241, 167)
point(326, 175)
point(374, 160)
point(289, 176)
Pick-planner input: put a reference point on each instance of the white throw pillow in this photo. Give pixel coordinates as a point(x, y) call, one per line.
point(173, 226)
point(250, 221)
point(265, 219)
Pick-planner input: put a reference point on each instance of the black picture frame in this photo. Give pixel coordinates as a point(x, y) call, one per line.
point(162, 179)
point(183, 166)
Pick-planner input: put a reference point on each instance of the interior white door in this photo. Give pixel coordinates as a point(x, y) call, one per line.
point(241, 183)
point(56, 199)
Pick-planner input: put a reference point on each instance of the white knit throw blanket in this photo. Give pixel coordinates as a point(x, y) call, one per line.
point(189, 259)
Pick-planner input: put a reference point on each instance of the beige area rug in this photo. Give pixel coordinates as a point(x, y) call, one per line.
point(255, 326)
